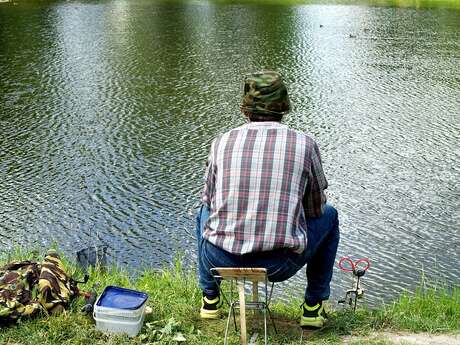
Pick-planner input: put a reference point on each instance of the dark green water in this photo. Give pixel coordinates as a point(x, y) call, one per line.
point(107, 110)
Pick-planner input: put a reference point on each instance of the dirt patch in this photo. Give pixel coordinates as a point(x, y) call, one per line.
point(411, 338)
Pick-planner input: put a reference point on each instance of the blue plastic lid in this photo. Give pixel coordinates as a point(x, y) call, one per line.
point(121, 298)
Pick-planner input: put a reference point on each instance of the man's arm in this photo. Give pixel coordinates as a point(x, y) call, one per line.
point(209, 179)
point(314, 198)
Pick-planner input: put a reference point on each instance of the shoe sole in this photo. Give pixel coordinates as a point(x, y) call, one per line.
point(210, 314)
point(314, 323)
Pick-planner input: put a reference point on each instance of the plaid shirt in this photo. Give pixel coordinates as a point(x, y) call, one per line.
point(262, 180)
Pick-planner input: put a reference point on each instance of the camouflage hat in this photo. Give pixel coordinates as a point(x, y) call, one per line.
point(265, 93)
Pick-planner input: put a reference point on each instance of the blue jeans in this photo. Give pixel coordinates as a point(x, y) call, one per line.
point(281, 264)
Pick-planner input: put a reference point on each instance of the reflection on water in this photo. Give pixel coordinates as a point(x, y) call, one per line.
point(107, 111)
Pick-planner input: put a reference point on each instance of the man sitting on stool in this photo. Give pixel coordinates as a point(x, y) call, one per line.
point(264, 203)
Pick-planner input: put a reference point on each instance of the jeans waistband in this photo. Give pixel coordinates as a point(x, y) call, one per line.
point(279, 252)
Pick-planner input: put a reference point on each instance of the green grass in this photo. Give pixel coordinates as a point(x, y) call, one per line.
point(175, 300)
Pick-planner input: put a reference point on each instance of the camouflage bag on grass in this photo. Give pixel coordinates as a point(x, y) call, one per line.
point(27, 287)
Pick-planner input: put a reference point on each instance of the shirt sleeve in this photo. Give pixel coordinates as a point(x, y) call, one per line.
point(315, 197)
point(209, 179)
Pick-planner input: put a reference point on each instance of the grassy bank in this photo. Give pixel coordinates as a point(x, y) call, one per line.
point(175, 299)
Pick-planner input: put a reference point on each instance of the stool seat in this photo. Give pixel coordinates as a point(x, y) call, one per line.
point(239, 276)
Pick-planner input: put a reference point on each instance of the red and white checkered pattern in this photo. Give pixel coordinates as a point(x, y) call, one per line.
point(262, 180)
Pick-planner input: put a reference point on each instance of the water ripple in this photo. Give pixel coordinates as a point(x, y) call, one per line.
point(107, 112)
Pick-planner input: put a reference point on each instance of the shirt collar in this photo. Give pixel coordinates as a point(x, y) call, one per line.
point(264, 124)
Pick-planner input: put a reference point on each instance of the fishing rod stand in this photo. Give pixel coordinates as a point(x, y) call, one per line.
point(358, 268)
point(356, 292)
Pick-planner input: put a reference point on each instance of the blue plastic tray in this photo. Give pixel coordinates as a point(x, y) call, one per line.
point(121, 298)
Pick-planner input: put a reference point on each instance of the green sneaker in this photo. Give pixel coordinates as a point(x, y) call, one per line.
point(210, 308)
point(313, 316)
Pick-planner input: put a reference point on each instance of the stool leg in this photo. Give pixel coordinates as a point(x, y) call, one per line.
point(255, 298)
point(234, 319)
point(233, 304)
point(228, 323)
point(273, 320)
point(265, 326)
point(244, 340)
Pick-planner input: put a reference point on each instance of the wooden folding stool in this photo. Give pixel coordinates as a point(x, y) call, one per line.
point(239, 276)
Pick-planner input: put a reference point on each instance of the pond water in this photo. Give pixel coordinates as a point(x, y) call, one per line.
point(107, 111)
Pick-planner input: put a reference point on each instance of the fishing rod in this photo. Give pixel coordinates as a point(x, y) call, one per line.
point(358, 268)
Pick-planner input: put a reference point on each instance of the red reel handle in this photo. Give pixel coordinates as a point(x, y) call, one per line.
point(365, 261)
point(349, 261)
point(347, 265)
